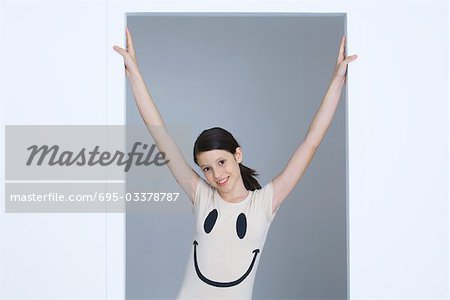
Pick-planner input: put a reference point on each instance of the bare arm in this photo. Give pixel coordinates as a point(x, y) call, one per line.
point(300, 160)
point(180, 169)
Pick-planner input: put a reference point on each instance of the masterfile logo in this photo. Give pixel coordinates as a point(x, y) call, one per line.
point(90, 168)
point(53, 156)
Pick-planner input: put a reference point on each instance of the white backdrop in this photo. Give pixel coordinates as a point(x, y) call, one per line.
point(58, 67)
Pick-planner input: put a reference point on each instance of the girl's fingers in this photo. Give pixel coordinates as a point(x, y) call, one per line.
point(342, 67)
point(341, 54)
point(129, 61)
point(120, 50)
point(351, 58)
point(130, 46)
point(342, 49)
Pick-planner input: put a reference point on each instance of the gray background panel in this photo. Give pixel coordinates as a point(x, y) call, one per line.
point(262, 77)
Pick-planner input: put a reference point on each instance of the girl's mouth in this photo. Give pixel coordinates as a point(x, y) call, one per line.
point(223, 181)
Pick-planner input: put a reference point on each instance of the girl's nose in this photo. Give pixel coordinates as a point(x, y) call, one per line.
point(216, 175)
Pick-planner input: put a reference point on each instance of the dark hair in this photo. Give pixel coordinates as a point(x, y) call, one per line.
point(217, 138)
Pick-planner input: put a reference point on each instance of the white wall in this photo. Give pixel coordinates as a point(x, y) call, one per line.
point(58, 68)
point(54, 71)
point(399, 246)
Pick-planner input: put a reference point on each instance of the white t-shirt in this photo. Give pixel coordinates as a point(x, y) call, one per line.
point(227, 244)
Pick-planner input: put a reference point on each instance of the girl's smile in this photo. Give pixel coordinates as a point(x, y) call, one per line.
point(223, 182)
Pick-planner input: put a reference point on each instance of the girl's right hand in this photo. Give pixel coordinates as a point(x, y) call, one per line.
point(129, 56)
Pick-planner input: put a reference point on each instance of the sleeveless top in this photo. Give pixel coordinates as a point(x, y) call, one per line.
point(227, 244)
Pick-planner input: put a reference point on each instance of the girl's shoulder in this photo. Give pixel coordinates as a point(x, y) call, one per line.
point(203, 190)
point(263, 199)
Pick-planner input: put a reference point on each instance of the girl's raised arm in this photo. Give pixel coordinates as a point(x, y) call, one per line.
point(299, 162)
point(186, 177)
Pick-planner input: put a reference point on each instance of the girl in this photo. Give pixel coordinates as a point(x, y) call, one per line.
point(232, 211)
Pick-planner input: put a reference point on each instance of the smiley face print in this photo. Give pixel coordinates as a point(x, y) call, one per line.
point(240, 231)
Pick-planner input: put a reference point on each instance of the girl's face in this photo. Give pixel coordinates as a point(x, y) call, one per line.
point(221, 168)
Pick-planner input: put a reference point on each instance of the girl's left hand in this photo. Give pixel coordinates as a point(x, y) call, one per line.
point(342, 62)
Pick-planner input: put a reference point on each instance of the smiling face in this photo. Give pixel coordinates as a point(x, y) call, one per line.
point(221, 168)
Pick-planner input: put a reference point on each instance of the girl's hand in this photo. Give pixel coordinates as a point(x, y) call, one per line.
point(342, 62)
point(129, 56)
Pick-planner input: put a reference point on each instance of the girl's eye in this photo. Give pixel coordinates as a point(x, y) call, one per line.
point(205, 169)
point(222, 161)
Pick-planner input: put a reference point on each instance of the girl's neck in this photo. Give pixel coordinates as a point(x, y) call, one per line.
point(238, 194)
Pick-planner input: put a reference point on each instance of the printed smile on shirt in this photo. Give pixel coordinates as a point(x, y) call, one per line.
point(222, 284)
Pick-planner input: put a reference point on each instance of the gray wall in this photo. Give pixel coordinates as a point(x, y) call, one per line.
point(262, 77)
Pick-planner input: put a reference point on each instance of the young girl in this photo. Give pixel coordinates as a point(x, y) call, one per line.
point(232, 211)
